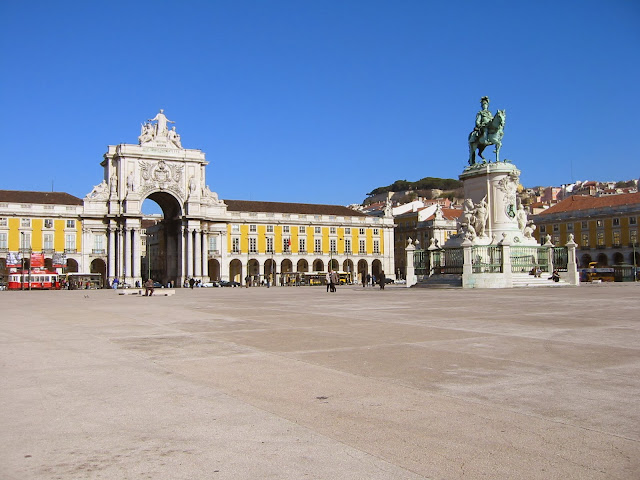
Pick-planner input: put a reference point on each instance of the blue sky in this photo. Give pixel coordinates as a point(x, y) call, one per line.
point(319, 102)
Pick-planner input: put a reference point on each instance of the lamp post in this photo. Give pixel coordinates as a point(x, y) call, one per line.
point(22, 261)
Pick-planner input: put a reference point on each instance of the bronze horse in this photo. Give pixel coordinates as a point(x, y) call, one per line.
point(495, 131)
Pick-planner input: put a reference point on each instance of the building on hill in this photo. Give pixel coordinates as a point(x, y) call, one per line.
point(605, 227)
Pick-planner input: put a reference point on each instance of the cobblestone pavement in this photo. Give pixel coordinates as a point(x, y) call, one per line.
point(297, 383)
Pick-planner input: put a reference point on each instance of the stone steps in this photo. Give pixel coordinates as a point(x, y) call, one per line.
point(440, 281)
point(526, 280)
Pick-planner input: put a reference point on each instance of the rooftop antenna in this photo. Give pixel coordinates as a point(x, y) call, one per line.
point(51, 185)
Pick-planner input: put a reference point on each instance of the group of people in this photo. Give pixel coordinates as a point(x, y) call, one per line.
point(332, 278)
point(381, 280)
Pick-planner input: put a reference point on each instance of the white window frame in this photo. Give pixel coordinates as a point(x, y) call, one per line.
point(253, 228)
point(4, 241)
point(47, 241)
point(70, 224)
point(235, 244)
point(253, 245)
point(302, 244)
point(376, 246)
point(286, 229)
point(318, 245)
point(317, 230)
point(269, 241)
point(25, 223)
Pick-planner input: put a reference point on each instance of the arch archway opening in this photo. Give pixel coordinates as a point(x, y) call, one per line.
point(162, 222)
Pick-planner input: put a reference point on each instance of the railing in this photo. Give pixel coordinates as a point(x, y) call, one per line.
point(560, 258)
point(420, 262)
point(453, 260)
point(523, 259)
point(486, 259)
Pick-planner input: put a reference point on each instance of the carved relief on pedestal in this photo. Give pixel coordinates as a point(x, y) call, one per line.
point(161, 175)
point(509, 186)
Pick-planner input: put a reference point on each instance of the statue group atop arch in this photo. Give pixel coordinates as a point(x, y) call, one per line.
point(159, 132)
point(489, 130)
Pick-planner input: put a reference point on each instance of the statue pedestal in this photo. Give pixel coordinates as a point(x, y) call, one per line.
point(496, 184)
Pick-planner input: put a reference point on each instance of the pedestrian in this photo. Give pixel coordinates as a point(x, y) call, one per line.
point(373, 280)
point(148, 288)
point(327, 280)
point(364, 284)
point(192, 282)
point(335, 280)
point(382, 279)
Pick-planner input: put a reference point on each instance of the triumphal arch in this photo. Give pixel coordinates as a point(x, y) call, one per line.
point(158, 168)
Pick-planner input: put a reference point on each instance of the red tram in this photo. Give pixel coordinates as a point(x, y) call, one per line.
point(36, 280)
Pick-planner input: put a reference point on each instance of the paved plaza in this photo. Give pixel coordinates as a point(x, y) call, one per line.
point(297, 383)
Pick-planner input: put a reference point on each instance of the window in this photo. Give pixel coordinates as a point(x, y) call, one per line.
point(584, 225)
point(363, 248)
point(98, 244)
point(376, 231)
point(286, 244)
point(48, 223)
point(585, 239)
point(70, 242)
point(376, 246)
point(3, 241)
point(616, 238)
point(632, 221)
point(361, 231)
point(633, 236)
point(25, 240)
point(3, 221)
point(253, 228)
point(556, 239)
point(347, 231)
point(235, 245)
point(616, 222)
point(543, 228)
point(71, 224)
point(25, 222)
point(556, 227)
point(600, 239)
point(253, 245)
point(332, 230)
point(302, 230)
point(47, 243)
point(213, 243)
point(599, 223)
point(318, 245)
point(347, 245)
point(285, 229)
point(302, 244)
point(317, 230)
point(269, 228)
point(569, 227)
point(333, 245)
point(269, 244)
point(235, 228)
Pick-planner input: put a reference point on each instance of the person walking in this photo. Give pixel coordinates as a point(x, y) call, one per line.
point(364, 284)
point(335, 279)
point(327, 280)
point(382, 279)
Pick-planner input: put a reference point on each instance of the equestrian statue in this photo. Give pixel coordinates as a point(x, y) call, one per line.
point(489, 130)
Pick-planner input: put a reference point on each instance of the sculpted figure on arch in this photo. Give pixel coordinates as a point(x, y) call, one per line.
point(161, 127)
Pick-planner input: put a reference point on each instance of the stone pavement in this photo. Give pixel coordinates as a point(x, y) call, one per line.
point(297, 383)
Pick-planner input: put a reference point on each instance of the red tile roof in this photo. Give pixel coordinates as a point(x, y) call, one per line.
point(587, 202)
point(48, 198)
point(299, 208)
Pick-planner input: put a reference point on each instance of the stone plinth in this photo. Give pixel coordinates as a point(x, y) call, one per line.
point(495, 185)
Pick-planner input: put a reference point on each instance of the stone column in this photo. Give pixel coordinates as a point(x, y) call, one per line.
point(467, 264)
point(573, 278)
point(205, 254)
point(506, 262)
point(136, 254)
point(120, 242)
point(180, 251)
point(411, 276)
point(189, 252)
point(127, 253)
point(549, 246)
point(198, 253)
point(112, 254)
